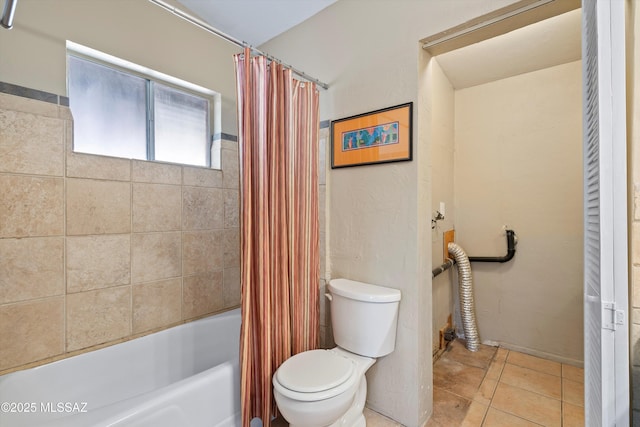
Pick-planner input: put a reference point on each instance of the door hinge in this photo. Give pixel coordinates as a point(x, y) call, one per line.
point(611, 317)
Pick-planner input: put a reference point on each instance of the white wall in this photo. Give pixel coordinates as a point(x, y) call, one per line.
point(633, 150)
point(379, 216)
point(442, 159)
point(519, 163)
point(32, 54)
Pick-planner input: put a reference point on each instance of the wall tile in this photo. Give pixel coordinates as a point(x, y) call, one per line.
point(27, 92)
point(232, 247)
point(31, 144)
point(202, 177)
point(232, 287)
point(634, 344)
point(95, 262)
point(26, 105)
point(31, 206)
point(635, 379)
point(156, 172)
point(31, 331)
point(323, 337)
point(64, 112)
point(155, 256)
point(635, 280)
point(107, 198)
point(202, 251)
point(202, 294)
point(98, 207)
point(229, 145)
point(326, 337)
point(231, 208)
point(230, 169)
point(636, 202)
point(99, 316)
point(157, 304)
point(202, 208)
point(323, 256)
point(81, 165)
point(156, 207)
point(635, 248)
point(322, 161)
point(322, 225)
point(216, 158)
point(31, 268)
point(325, 319)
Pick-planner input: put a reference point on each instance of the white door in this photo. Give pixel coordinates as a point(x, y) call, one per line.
point(605, 222)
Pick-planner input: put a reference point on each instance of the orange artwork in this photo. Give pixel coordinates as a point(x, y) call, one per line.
point(380, 136)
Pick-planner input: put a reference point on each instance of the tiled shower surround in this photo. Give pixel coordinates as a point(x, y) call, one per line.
point(97, 249)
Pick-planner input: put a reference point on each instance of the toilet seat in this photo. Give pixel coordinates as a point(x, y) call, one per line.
point(315, 375)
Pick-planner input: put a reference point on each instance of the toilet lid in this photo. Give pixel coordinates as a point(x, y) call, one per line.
point(314, 371)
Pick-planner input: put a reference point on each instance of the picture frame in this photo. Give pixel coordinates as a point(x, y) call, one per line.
point(380, 136)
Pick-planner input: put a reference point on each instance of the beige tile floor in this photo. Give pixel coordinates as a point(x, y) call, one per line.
point(495, 387)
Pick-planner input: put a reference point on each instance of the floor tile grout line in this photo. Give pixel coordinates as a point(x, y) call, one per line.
point(456, 394)
point(533, 369)
point(486, 412)
point(535, 392)
point(486, 371)
point(537, 371)
point(518, 416)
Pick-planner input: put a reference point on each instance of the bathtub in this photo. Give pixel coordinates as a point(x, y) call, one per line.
point(184, 376)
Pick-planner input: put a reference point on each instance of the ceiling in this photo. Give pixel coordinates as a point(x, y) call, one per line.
point(255, 21)
point(545, 44)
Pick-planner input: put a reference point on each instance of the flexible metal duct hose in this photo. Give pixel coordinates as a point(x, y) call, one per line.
point(7, 13)
point(465, 291)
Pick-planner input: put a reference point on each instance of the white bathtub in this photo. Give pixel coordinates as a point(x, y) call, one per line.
point(184, 376)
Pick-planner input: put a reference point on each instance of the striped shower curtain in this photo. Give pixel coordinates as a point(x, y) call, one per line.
point(278, 143)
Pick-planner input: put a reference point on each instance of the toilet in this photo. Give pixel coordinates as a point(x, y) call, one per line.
point(318, 388)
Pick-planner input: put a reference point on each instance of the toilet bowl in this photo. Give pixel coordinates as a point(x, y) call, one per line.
point(319, 388)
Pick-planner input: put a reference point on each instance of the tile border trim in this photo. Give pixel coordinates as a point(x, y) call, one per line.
point(36, 94)
point(225, 136)
point(52, 98)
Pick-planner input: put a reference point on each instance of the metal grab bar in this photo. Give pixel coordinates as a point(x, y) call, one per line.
point(512, 241)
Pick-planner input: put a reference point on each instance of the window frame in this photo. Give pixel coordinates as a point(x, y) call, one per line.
point(152, 78)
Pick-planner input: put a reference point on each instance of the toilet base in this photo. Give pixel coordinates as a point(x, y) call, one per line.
point(354, 417)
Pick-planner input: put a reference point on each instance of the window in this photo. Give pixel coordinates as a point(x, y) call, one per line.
point(123, 113)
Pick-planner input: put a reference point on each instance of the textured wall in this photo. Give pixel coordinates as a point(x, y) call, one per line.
point(442, 154)
point(34, 51)
point(378, 216)
point(519, 163)
point(98, 249)
point(633, 154)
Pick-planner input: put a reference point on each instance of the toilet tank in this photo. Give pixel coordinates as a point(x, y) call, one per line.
point(364, 317)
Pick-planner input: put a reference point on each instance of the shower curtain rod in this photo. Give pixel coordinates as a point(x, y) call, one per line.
point(199, 23)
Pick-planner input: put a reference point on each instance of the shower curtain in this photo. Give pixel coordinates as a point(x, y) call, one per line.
point(278, 121)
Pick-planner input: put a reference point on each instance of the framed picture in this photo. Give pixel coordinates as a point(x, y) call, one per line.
point(380, 136)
